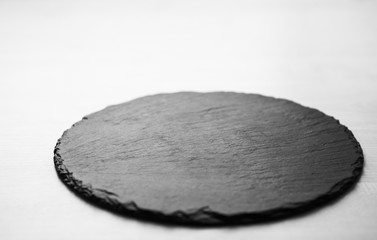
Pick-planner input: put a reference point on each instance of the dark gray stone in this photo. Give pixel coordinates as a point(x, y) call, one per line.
point(208, 158)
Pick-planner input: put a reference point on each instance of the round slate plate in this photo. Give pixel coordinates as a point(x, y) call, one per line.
point(208, 158)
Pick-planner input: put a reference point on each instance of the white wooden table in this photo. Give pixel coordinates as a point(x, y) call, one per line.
point(60, 60)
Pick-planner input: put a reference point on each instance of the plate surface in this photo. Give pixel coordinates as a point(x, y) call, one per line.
point(208, 158)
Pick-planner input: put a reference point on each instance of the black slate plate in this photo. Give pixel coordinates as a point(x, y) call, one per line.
point(208, 158)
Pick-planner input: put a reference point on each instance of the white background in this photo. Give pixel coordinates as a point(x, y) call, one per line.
point(61, 60)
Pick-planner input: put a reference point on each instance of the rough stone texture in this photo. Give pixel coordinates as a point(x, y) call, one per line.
point(208, 158)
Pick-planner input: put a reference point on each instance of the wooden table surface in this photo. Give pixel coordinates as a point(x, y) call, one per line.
point(61, 60)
